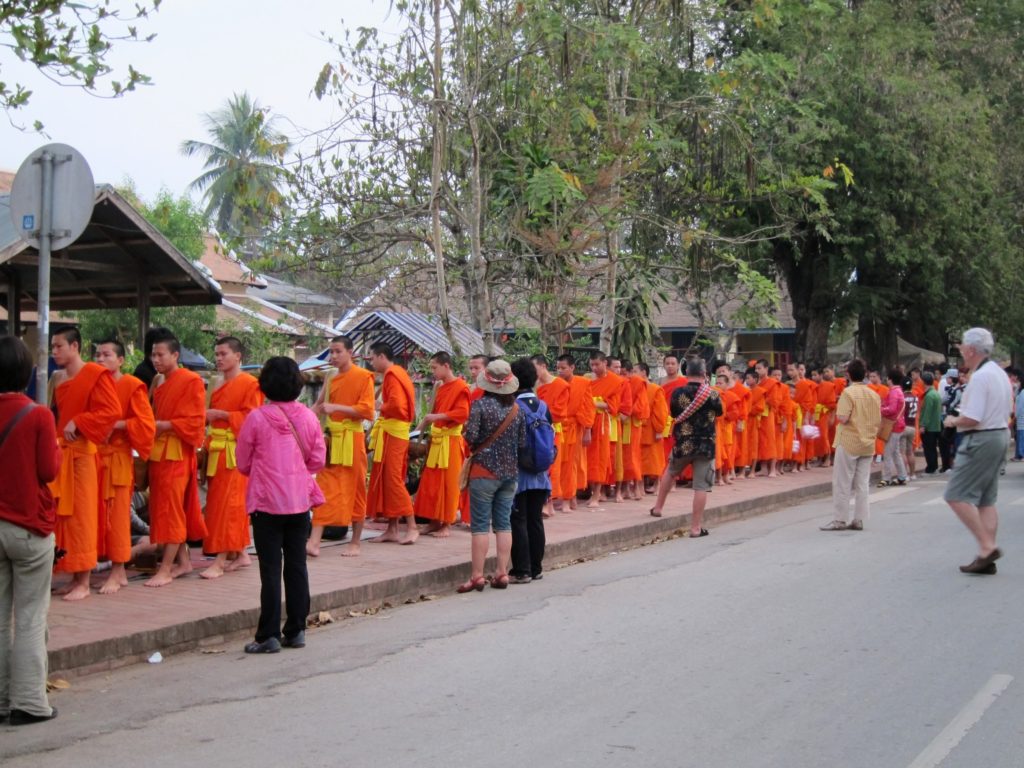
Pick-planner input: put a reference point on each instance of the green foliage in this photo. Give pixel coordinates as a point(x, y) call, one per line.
point(69, 43)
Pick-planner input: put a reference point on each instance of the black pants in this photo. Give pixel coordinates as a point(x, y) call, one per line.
point(528, 533)
point(275, 535)
point(930, 443)
point(947, 447)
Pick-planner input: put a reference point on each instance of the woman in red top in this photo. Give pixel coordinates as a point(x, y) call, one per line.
point(31, 458)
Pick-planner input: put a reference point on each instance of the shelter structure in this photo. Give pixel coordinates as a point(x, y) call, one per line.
point(120, 261)
point(909, 355)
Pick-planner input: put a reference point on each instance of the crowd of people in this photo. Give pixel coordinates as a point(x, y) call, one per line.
point(506, 446)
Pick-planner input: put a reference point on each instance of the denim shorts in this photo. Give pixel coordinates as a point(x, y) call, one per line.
point(490, 504)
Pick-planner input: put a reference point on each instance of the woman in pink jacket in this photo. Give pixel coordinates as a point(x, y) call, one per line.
point(279, 446)
point(894, 468)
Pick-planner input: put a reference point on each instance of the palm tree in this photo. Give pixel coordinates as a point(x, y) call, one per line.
point(242, 168)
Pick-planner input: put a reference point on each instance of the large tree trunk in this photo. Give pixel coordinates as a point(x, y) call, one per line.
point(810, 287)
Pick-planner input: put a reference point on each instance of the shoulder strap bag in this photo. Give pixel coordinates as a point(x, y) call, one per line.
point(468, 463)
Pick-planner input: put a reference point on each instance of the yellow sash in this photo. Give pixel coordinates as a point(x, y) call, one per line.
point(627, 432)
point(395, 427)
point(613, 424)
point(118, 471)
point(221, 441)
point(343, 441)
point(167, 447)
point(558, 427)
point(63, 487)
point(439, 454)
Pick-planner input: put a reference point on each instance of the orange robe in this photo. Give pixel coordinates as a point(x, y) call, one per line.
point(668, 387)
point(556, 396)
point(343, 478)
point(806, 397)
point(607, 389)
point(785, 420)
point(825, 416)
point(388, 495)
point(765, 404)
point(882, 391)
point(437, 497)
point(581, 416)
point(741, 446)
point(724, 425)
point(118, 473)
point(652, 456)
point(227, 520)
point(918, 391)
point(174, 512)
point(632, 455)
point(90, 399)
point(621, 447)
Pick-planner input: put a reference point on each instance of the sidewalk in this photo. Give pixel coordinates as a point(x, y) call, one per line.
point(104, 632)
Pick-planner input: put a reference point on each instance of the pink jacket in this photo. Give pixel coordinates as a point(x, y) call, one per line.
point(892, 408)
point(280, 479)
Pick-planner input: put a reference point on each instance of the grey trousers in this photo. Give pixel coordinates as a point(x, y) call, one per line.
point(26, 564)
point(850, 476)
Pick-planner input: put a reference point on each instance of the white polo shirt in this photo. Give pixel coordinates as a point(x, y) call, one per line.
point(988, 398)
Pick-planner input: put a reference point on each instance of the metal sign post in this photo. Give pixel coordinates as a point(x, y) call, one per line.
point(59, 196)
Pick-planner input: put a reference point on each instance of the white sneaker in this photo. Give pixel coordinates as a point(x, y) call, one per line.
point(835, 525)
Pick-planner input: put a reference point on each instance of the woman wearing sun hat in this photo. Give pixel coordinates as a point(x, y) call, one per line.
point(495, 432)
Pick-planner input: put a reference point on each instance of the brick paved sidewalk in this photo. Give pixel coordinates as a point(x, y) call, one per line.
point(105, 631)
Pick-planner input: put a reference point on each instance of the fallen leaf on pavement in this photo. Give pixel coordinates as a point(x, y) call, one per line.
point(57, 684)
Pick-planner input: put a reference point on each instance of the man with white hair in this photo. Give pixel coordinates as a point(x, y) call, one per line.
point(983, 424)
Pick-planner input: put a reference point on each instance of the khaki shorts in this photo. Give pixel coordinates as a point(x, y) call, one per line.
point(703, 470)
point(975, 476)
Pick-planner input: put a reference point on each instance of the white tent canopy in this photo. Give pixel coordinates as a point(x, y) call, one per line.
point(910, 355)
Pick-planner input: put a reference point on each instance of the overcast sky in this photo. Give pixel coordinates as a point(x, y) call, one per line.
point(204, 51)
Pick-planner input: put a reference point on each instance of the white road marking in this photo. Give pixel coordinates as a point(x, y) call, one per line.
point(966, 719)
point(934, 502)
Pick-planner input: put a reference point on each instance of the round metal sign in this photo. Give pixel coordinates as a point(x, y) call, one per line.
point(74, 196)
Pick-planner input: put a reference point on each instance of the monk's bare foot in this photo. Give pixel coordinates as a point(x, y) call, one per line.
point(432, 528)
point(213, 572)
point(572, 505)
point(387, 536)
point(242, 561)
point(160, 579)
point(655, 512)
point(352, 550)
point(65, 589)
point(771, 474)
point(77, 592)
point(410, 537)
point(593, 504)
point(546, 513)
point(442, 532)
point(312, 551)
point(178, 570)
point(114, 582)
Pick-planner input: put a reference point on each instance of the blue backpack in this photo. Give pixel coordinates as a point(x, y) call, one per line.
point(540, 437)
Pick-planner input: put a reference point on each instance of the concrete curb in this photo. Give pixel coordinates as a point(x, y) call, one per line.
point(195, 634)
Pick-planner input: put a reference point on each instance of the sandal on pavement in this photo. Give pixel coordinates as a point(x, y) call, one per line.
point(499, 582)
point(703, 532)
point(655, 513)
point(477, 584)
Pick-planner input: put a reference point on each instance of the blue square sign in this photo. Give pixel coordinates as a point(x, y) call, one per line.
point(28, 222)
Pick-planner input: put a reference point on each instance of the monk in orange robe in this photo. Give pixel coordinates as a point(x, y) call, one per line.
point(576, 430)
point(673, 379)
point(134, 431)
point(805, 394)
point(875, 385)
point(389, 441)
point(606, 389)
point(741, 449)
point(652, 457)
point(554, 391)
point(825, 414)
point(437, 498)
point(233, 398)
point(179, 405)
point(87, 409)
point(346, 400)
point(620, 446)
point(767, 429)
point(724, 426)
point(632, 456)
point(917, 390)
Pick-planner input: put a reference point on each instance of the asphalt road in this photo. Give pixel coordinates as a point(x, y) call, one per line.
point(768, 643)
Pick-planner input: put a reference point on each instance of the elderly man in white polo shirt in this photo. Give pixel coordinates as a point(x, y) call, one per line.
point(983, 424)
